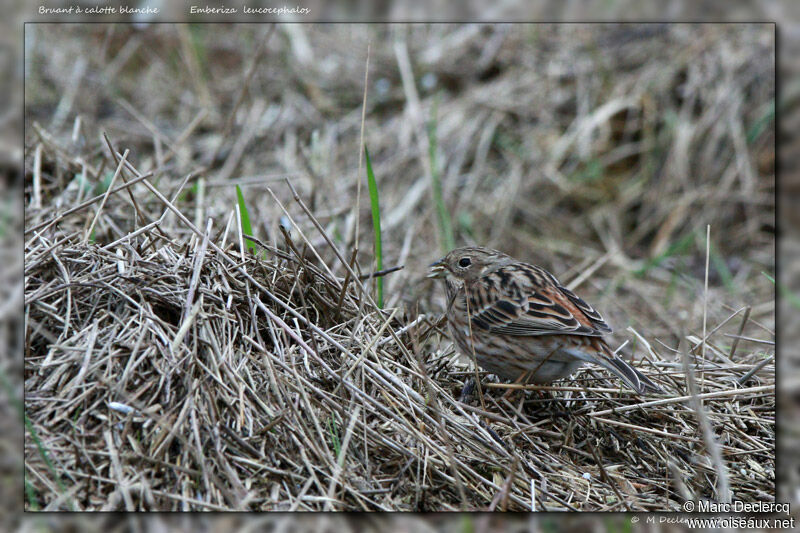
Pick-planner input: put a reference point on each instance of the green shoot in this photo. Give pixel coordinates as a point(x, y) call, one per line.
point(376, 222)
point(722, 269)
point(443, 217)
point(675, 248)
point(333, 430)
point(767, 117)
point(791, 297)
point(17, 405)
point(246, 228)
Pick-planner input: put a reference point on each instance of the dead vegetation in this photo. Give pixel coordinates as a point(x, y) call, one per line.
point(166, 368)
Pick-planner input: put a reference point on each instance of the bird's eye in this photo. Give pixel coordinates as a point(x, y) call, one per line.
point(464, 262)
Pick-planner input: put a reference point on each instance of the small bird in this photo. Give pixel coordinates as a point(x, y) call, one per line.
point(521, 323)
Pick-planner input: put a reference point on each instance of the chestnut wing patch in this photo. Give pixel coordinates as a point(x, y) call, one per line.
point(531, 303)
point(588, 311)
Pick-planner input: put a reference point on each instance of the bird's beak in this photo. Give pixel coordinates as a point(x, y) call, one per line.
point(438, 270)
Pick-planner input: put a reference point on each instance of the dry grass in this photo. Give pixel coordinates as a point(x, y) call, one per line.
point(167, 369)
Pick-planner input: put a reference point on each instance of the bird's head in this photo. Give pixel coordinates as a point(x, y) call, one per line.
point(467, 264)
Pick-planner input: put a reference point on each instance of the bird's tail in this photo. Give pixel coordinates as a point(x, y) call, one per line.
point(608, 360)
point(632, 377)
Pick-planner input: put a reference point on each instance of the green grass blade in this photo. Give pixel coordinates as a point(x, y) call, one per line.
point(333, 432)
point(676, 248)
point(376, 222)
point(791, 297)
point(246, 228)
point(40, 447)
point(718, 262)
point(766, 119)
point(442, 215)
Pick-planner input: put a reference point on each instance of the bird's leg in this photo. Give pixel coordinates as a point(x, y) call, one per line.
point(466, 392)
point(523, 378)
point(535, 370)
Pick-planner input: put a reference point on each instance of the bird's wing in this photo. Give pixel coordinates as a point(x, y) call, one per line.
point(522, 299)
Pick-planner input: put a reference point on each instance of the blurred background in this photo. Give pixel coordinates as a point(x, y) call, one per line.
point(597, 151)
point(604, 149)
